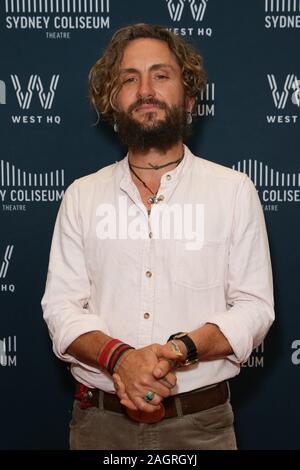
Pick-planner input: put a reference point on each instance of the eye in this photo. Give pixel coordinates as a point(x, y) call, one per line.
point(129, 80)
point(161, 76)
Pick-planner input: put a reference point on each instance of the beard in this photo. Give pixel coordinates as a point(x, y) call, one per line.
point(160, 134)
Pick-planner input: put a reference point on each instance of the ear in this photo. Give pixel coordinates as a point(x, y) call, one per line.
point(189, 103)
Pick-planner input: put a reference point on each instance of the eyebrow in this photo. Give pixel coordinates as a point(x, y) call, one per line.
point(153, 67)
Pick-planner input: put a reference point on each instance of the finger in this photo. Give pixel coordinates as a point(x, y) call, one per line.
point(129, 404)
point(161, 389)
point(154, 405)
point(148, 382)
point(169, 380)
point(146, 407)
point(156, 400)
point(138, 398)
point(121, 392)
point(163, 367)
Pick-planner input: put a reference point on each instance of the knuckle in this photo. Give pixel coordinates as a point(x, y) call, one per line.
point(144, 380)
point(135, 384)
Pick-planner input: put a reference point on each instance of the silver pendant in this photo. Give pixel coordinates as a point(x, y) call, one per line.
point(153, 200)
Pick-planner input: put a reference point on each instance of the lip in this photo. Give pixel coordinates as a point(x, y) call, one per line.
point(147, 107)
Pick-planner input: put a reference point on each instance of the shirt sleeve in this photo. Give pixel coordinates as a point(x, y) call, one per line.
point(249, 291)
point(67, 293)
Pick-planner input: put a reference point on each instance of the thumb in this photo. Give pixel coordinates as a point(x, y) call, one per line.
point(170, 350)
point(168, 355)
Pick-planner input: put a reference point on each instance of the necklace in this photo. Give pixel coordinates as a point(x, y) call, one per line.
point(157, 167)
point(154, 199)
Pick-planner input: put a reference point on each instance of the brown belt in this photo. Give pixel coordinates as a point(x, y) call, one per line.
point(176, 405)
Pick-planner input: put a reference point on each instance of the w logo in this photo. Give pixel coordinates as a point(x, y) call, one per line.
point(197, 8)
point(6, 259)
point(175, 10)
point(280, 99)
point(35, 84)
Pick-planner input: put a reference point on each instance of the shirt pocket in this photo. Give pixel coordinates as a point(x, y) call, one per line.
point(200, 268)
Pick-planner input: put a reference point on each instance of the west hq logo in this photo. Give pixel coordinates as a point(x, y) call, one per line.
point(195, 10)
point(285, 94)
point(32, 92)
point(35, 85)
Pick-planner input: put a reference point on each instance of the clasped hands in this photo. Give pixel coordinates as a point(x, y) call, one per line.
point(149, 369)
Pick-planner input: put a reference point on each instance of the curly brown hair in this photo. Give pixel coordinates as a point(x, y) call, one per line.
point(104, 81)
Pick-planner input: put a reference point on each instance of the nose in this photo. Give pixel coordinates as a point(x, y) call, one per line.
point(146, 87)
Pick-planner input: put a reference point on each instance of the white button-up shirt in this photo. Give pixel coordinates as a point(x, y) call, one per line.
point(201, 256)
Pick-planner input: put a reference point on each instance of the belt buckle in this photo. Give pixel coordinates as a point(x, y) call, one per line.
point(144, 417)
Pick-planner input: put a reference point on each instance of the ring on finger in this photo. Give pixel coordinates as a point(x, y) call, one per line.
point(149, 396)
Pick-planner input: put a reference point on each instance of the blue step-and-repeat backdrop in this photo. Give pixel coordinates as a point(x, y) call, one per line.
point(248, 119)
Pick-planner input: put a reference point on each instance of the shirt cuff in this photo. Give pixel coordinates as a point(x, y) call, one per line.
point(65, 336)
point(241, 343)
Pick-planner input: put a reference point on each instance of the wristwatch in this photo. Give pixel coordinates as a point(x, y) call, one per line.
point(192, 354)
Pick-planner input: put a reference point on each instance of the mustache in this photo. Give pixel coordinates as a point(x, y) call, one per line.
point(142, 101)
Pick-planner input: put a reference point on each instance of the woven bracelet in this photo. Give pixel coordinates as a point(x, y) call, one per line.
point(111, 353)
point(116, 355)
point(104, 356)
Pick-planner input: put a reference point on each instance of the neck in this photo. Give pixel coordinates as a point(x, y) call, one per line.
point(155, 157)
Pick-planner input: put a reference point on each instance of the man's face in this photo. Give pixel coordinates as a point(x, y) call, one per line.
point(151, 103)
point(149, 69)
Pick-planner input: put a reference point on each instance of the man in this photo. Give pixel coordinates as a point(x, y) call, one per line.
point(159, 281)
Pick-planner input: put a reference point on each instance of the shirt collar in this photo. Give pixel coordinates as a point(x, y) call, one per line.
point(168, 178)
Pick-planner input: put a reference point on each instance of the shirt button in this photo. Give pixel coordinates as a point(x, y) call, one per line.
point(150, 234)
point(161, 197)
point(168, 177)
point(146, 315)
point(148, 273)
